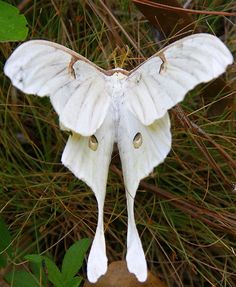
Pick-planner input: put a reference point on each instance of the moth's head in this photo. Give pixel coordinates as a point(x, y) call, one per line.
point(118, 73)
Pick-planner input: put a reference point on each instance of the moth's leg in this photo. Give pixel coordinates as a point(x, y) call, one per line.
point(97, 260)
point(135, 257)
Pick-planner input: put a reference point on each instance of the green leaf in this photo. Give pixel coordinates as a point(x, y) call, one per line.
point(21, 278)
point(54, 274)
point(12, 24)
point(5, 241)
point(38, 271)
point(34, 258)
point(36, 266)
point(74, 282)
point(74, 258)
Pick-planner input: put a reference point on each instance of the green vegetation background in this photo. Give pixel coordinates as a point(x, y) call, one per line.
point(189, 234)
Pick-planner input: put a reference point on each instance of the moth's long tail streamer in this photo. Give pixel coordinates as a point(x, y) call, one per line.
point(97, 260)
point(135, 257)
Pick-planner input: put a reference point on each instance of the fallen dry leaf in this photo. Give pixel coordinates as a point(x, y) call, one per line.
point(173, 25)
point(118, 276)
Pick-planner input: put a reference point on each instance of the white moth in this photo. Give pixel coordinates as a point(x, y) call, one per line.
point(101, 108)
